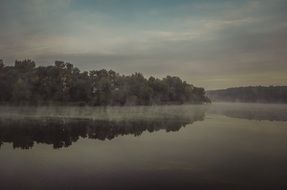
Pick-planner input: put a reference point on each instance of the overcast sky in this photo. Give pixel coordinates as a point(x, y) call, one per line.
point(209, 43)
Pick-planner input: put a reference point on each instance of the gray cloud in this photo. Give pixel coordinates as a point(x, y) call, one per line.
point(213, 45)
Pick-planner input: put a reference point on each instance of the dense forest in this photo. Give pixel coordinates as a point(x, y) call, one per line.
point(271, 94)
point(62, 83)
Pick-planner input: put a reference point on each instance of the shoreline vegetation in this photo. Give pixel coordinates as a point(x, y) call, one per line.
point(250, 94)
point(64, 84)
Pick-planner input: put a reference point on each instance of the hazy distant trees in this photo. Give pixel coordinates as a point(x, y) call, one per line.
point(275, 94)
point(24, 83)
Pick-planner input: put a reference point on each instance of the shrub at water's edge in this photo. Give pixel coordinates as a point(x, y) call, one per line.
point(62, 83)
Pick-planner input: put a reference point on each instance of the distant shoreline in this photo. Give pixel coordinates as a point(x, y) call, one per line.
point(250, 94)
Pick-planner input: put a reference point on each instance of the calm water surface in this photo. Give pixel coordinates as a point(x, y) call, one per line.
point(219, 146)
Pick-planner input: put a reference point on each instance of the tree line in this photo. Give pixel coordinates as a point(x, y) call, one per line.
point(262, 94)
point(62, 83)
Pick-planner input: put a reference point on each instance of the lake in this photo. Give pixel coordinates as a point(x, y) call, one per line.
point(218, 146)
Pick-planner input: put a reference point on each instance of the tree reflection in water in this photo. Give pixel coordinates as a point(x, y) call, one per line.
point(63, 132)
point(259, 112)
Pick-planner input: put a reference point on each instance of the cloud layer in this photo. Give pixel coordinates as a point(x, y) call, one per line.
point(214, 44)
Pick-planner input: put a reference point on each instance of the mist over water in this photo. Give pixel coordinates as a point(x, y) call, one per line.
point(251, 111)
point(100, 113)
point(223, 145)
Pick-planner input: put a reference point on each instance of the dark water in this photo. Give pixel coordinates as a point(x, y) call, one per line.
point(220, 146)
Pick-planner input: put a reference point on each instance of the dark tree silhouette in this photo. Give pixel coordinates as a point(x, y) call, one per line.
point(24, 83)
point(63, 132)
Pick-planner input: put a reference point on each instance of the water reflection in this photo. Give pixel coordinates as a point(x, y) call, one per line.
point(217, 153)
point(63, 132)
point(259, 112)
